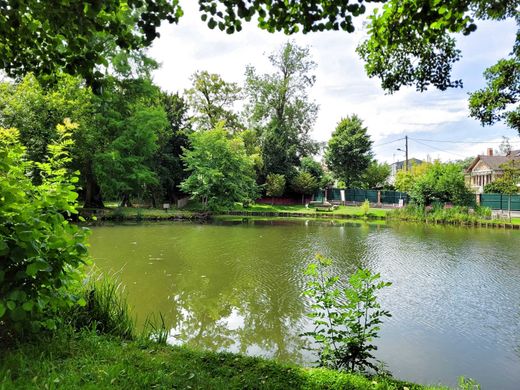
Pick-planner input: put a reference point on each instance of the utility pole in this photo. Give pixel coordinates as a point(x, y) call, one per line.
point(406, 151)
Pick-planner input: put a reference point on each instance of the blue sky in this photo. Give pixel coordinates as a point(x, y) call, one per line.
point(342, 88)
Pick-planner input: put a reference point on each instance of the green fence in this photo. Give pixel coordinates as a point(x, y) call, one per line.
point(391, 197)
point(354, 195)
point(500, 202)
point(358, 195)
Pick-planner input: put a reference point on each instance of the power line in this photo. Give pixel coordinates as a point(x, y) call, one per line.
point(389, 142)
point(433, 147)
point(463, 142)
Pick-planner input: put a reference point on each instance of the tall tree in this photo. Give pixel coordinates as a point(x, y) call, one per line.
point(125, 168)
point(212, 99)
point(167, 162)
point(280, 110)
point(349, 153)
point(220, 171)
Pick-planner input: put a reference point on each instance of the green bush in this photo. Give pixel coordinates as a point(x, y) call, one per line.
point(346, 319)
point(41, 252)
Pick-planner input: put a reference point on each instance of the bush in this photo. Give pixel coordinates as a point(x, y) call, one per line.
point(346, 319)
point(41, 252)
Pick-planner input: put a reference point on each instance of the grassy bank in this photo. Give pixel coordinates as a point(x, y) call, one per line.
point(70, 360)
point(194, 213)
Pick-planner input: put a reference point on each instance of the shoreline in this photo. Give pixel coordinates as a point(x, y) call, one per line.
point(156, 215)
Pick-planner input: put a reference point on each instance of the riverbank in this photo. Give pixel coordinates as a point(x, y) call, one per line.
point(261, 210)
point(84, 359)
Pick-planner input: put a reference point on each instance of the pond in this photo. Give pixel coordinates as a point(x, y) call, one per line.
point(236, 286)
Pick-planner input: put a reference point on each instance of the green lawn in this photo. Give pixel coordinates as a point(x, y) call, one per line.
point(89, 361)
point(340, 210)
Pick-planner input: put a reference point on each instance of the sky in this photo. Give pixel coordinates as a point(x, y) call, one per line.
point(342, 88)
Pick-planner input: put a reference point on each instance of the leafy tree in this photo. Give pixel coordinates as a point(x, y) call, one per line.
point(304, 183)
point(308, 164)
point(48, 38)
point(498, 101)
point(281, 15)
point(124, 169)
point(410, 42)
point(41, 252)
point(441, 183)
point(274, 185)
point(346, 319)
point(280, 110)
point(508, 183)
point(405, 180)
point(166, 161)
point(375, 176)
point(220, 172)
point(212, 99)
point(348, 153)
point(465, 163)
point(36, 111)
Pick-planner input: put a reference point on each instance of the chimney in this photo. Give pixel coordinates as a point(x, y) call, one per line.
point(490, 151)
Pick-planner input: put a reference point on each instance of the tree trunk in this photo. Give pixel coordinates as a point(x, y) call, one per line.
point(93, 198)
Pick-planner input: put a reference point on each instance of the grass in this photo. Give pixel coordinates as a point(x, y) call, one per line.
point(340, 210)
point(71, 360)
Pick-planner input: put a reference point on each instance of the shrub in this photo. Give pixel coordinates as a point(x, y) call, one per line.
point(41, 252)
point(365, 207)
point(347, 319)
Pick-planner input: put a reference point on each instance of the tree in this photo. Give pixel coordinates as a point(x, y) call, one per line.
point(442, 183)
point(41, 252)
point(220, 172)
point(348, 153)
point(280, 111)
point(212, 99)
point(167, 162)
point(124, 169)
point(498, 101)
point(508, 183)
point(375, 176)
point(410, 42)
point(405, 180)
point(274, 185)
point(36, 111)
point(47, 39)
point(304, 183)
point(308, 164)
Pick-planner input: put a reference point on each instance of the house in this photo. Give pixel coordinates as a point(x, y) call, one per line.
point(486, 168)
point(399, 165)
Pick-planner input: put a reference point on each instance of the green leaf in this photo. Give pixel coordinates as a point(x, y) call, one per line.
point(2, 309)
point(27, 306)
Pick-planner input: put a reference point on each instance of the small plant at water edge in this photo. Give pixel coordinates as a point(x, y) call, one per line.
point(365, 207)
point(346, 319)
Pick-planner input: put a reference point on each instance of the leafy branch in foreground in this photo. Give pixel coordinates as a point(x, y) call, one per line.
point(346, 320)
point(41, 252)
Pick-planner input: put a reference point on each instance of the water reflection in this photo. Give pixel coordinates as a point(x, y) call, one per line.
point(237, 286)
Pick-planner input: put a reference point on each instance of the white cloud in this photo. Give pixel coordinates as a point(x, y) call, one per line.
point(342, 87)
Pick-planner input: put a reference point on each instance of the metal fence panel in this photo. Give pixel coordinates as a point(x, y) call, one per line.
point(500, 202)
point(393, 197)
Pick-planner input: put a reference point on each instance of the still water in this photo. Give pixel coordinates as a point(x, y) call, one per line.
point(236, 286)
